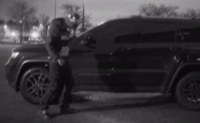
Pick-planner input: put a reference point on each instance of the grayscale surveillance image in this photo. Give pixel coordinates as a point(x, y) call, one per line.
point(107, 61)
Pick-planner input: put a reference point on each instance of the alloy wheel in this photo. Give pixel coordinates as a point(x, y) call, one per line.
point(191, 91)
point(37, 85)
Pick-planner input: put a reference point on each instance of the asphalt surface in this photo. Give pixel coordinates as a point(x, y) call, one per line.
point(93, 107)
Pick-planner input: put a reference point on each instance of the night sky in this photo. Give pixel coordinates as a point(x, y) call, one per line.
point(101, 10)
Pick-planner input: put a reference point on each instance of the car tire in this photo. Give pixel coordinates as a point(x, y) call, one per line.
point(34, 84)
point(188, 91)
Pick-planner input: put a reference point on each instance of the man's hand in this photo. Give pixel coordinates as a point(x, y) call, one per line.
point(61, 61)
point(68, 38)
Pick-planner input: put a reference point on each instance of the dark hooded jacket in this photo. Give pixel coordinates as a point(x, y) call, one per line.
point(54, 42)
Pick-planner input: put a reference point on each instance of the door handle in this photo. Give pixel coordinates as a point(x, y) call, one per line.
point(121, 50)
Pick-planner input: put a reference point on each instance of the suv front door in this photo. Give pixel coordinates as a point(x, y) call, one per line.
point(118, 40)
point(105, 65)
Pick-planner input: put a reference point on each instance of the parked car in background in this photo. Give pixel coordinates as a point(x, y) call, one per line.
point(125, 55)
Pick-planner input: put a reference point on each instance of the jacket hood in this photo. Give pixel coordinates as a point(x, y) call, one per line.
point(60, 24)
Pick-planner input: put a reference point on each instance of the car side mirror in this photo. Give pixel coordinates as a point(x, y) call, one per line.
point(88, 39)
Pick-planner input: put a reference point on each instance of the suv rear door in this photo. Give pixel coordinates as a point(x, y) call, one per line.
point(154, 55)
point(188, 36)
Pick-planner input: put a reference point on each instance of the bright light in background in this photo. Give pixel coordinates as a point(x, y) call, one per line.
point(35, 35)
point(13, 34)
point(41, 26)
point(5, 26)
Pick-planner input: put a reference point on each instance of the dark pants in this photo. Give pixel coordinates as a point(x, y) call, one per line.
point(60, 78)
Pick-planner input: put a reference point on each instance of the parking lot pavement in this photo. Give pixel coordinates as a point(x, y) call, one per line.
point(93, 107)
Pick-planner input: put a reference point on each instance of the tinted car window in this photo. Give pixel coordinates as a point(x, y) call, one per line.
point(125, 33)
point(152, 32)
point(190, 34)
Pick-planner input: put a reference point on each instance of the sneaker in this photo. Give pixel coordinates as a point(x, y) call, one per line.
point(44, 114)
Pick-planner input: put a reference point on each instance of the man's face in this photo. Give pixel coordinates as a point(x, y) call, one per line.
point(69, 22)
point(64, 29)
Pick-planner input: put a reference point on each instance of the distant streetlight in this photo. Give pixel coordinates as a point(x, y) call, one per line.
point(5, 29)
point(83, 24)
point(21, 30)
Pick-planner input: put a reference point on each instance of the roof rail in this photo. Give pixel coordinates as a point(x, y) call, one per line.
point(136, 16)
point(195, 18)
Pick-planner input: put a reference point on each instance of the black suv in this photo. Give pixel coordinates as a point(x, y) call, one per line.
point(125, 55)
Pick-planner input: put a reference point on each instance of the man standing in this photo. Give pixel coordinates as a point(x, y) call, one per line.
point(60, 71)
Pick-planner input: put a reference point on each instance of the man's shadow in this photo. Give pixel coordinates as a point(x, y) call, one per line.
point(144, 102)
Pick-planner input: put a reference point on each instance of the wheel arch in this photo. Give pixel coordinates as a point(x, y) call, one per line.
point(27, 64)
point(180, 72)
